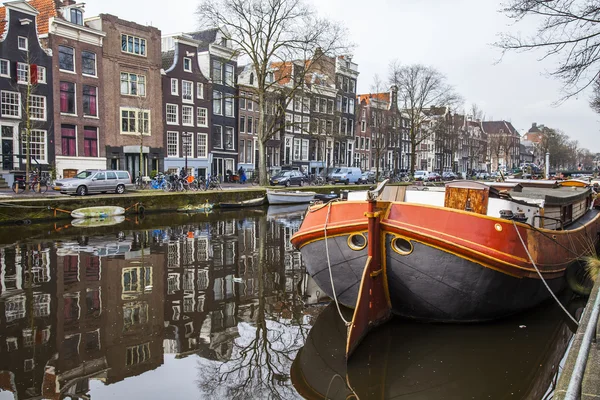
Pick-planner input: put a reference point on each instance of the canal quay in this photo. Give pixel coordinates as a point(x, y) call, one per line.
point(218, 305)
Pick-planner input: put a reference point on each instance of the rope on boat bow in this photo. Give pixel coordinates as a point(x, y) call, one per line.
point(541, 277)
point(337, 304)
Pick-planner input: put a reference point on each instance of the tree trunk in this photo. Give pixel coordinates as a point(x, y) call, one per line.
point(263, 138)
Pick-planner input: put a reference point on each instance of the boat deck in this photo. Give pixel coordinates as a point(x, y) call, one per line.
point(553, 196)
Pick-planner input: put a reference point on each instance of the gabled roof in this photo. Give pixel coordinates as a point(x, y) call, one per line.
point(367, 98)
point(46, 8)
point(167, 59)
point(206, 36)
point(494, 127)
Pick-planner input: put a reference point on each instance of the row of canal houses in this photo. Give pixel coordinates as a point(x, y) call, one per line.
point(102, 92)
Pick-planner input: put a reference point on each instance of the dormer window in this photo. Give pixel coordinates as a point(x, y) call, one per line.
point(187, 64)
point(224, 42)
point(76, 16)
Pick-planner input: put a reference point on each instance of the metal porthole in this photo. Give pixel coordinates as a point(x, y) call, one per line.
point(357, 241)
point(402, 246)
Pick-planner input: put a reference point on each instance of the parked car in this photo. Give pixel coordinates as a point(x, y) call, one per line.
point(421, 175)
point(449, 176)
point(434, 177)
point(95, 181)
point(288, 178)
point(366, 177)
point(482, 175)
point(346, 175)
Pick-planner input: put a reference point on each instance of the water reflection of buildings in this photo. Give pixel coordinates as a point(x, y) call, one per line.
point(108, 308)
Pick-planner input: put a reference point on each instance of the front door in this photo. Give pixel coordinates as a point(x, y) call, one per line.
point(7, 154)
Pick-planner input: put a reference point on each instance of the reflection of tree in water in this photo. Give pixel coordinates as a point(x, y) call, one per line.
point(263, 353)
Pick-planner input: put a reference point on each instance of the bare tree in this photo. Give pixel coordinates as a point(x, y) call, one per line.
point(420, 88)
point(567, 30)
point(285, 33)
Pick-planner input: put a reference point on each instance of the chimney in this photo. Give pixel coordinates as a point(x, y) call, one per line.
point(534, 125)
point(394, 98)
point(68, 2)
point(318, 53)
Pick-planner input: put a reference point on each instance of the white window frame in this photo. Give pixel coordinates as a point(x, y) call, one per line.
point(26, 47)
point(44, 143)
point(171, 135)
point(190, 85)
point(188, 60)
point(202, 149)
point(17, 105)
point(218, 94)
point(199, 90)
point(129, 81)
point(199, 112)
point(191, 115)
point(74, 61)
point(44, 108)
point(20, 67)
point(142, 53)
point(232, 129)
point(41, 74)
point(189, 147)
point(95, 75)
point(174, 87)
point(136, 111)
point(7, 63)
point(229, 101)
point(228, 68)
point(176, 113)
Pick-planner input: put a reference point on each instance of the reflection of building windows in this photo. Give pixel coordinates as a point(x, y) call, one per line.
point(136, 280)
point(71, 307)
point(92, 270)
point(92, 340)
point(200, 302)
point(71, 269)
point(217, 251)
point(172, 283)
point(137, 354)
point(202, 249)
point(41, 305)
point(173, 255)
point(188, 252)
point(28, 365)
point(229, 253)
point(176, 313)
point(188, 303)
point(45, 335)
point(202, 279)
point(93, 302)
point(28, 335)
point(70, 346)
point(134, 313)
point(14, 308)
point(189, 329)
point(12, 344)
point(188, 280)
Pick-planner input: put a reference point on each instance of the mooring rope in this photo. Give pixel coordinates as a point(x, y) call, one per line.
point(329, 266)
point(541, 277)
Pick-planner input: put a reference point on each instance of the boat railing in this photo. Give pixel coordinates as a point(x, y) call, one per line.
point(560, 221)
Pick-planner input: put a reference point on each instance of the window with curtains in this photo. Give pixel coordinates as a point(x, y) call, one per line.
point(90, 101)
point(67, 97)
point(90, 141)
point(69, 140)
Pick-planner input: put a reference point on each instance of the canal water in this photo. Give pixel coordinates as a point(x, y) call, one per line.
point(219, 306)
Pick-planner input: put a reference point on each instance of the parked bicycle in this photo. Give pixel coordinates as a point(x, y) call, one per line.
point(36, 183)
point(160, 182)
point(140, 183)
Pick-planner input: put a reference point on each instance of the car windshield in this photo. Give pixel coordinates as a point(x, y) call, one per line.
point(83, 174)
point(341, 170)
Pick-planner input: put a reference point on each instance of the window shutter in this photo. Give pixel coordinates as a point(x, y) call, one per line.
point(33, 72)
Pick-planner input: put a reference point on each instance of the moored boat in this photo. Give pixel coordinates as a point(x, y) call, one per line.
point(464, 253)
point(246, 203)
point(97, 212)
point(289, 197)
point(96, 222)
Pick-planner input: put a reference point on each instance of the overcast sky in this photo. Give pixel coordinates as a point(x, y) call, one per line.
point(454, 36)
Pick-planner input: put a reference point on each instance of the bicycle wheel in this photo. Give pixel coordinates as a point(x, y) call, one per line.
point(193, 185)
point(166, 186)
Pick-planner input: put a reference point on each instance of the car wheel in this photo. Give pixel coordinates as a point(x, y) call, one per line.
point(287, 184)
point(301, 182)
point(120, 189)
point(347, 181)
point(82, 190)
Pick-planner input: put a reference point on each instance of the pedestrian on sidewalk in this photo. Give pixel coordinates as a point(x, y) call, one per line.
point(242, 175)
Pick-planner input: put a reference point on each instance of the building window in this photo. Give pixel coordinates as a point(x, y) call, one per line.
point(202, 117)
point(134, 118)
point(229, 145)
point(249, 103)
point(363, 126)
point(11, 104)
point(172, 144)
point(217, 103)
point(90, 141)
point(296, 149)
point(242, 127)
point(67, 97)
point(41, 74)
point(187, 115)
point(90, 101)
point(22, 43)
point(187, 91)
point(66, 58)
point(202, 145)
point(248, 151)
point(133, 45)
point(37, 145)
point(69, 141)
point(218, 136)
point(350, 106)
point(187, 141)
point(229, 105)
point(133, 84)
point(76, 16)
point(174, 87)
point(187, 64)
point(172, 114)
point(352, 86)
point(37, 107)
point(22, 73)
point(217, 71)
point(229, 75)
point(242, 154)
point(88, 63)
point(304, 150)
point(4, 68)
point(250, 126)
point(200, 90)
